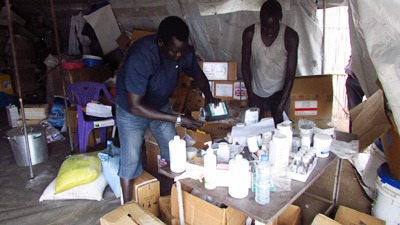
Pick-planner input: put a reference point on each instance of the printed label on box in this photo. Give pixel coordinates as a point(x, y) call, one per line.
point(239, 90)
point(305, 108)
point(216, 70)
point(224, 90)
point(103, 123)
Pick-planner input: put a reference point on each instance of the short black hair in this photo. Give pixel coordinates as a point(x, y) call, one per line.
point(271, 8)
point(173, 26)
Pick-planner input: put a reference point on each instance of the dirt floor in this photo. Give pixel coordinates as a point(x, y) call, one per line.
point(19, 194)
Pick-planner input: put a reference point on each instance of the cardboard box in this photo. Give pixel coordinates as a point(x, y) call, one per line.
point(165, 209)
point(229, 90)
point(321, 219)
point(138, 33)
point(291, 216)
point(6, 84)
point(36, 111)
point(369, 120)
point(391, 148)
point(199, 212)
point(129, 214)
point(27, 79)
point(220, 70)
point(312, 98)
point(348, 216)
point(153, 151)
point(146, 192)
point(93, 74)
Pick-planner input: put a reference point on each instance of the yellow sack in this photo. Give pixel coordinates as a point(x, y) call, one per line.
point(77, 170)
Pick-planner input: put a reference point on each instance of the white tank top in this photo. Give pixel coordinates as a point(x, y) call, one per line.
point(268, 64)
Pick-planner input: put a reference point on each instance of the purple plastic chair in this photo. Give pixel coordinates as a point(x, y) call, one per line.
point(79, 94)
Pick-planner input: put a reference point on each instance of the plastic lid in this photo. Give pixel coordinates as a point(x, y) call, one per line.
point(109, 142)
point(238, 157)
point(384, 174)
point(240, 125)
point(176, 138)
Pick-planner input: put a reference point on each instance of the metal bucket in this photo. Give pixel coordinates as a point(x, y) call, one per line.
point(37, 144)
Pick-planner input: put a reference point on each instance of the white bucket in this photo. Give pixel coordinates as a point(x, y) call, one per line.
point(387, 203)
point(369, 175)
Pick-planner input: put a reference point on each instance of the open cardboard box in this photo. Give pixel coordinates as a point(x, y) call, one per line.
point(291, 215)
point(200, 212)
point(347, 216)
point(370, 121)
point(153, 151)
point(129, 214)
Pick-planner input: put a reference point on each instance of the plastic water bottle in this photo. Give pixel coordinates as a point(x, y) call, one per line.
point(263, 181)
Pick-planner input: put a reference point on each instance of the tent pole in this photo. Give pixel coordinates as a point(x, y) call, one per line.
point(11, 30)
point(66, 114)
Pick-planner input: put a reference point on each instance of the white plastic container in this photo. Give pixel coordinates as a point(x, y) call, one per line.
point(279, 151)
point(387, 203)
point(210, 168)
point(286, 128)
point(252, 144)
point(223, 152)
point(239, 177)
point(322, 144)
point(177, 154)
point(242, 140)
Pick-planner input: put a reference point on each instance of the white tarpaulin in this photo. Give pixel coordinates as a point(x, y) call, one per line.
point(375, 35)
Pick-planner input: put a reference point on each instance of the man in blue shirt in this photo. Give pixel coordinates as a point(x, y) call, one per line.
point(145, 81)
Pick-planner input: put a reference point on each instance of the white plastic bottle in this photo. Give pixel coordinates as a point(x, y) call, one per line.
point(239, 177)
point(177, 154)
point(263, 181)
point(210, 168)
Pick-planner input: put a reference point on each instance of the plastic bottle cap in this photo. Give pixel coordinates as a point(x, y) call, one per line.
point(239, 157)
point(176, 138)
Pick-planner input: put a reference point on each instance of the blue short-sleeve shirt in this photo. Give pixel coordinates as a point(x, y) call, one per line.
point(148, 72)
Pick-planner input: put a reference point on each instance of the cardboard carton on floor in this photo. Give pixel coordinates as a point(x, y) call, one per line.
point(347, 216)
point(291, 216)
point(199, 212)
point(321, 219)
point(129, 214)
point(146, 192)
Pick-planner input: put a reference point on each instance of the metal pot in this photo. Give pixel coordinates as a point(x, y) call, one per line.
point(37, 144)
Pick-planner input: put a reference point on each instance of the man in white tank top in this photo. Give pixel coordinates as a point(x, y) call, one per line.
point(269, 61)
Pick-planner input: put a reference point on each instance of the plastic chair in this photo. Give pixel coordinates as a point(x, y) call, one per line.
point(79, 94)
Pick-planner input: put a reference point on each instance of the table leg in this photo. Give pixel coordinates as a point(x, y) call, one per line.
point(336, 186)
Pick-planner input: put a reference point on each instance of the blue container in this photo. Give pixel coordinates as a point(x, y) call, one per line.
point(92, 62)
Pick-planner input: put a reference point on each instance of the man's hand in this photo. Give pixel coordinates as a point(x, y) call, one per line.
point(216, 101)
point(191, 123)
